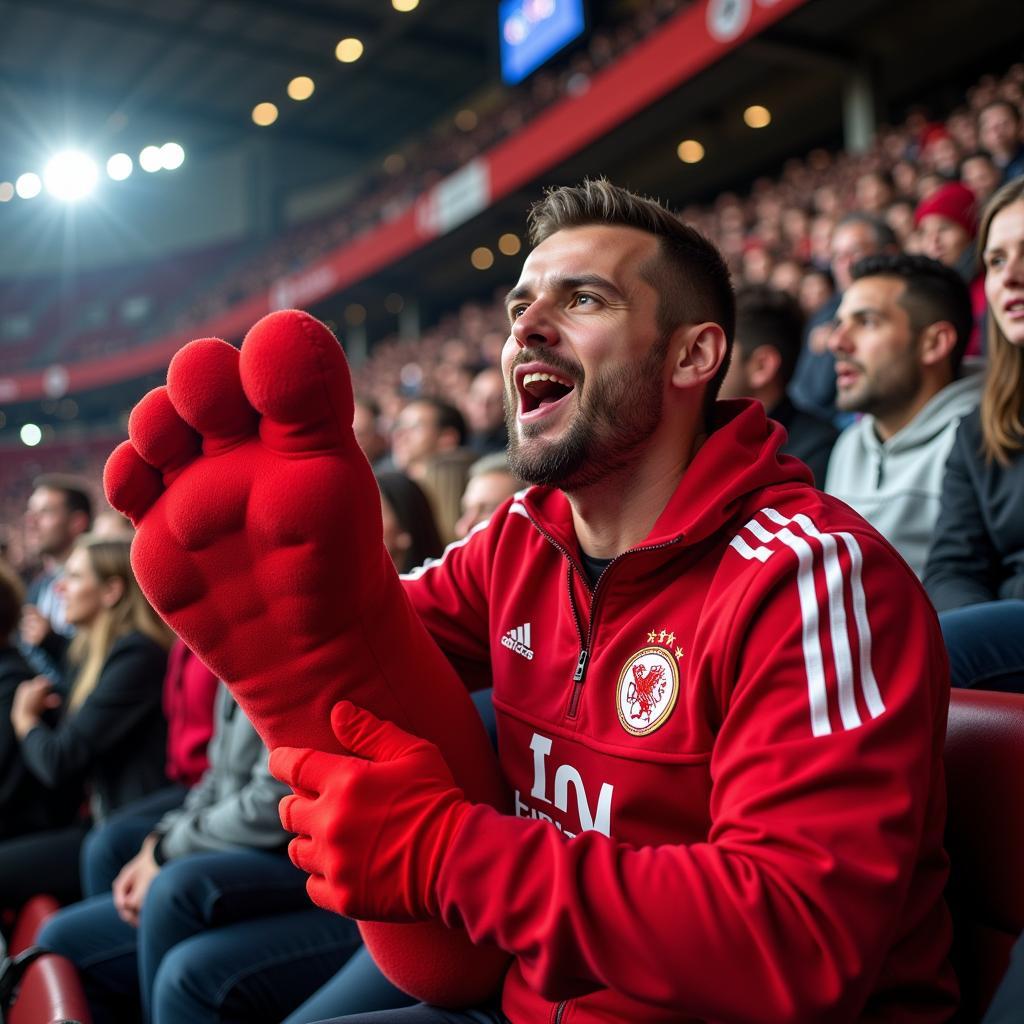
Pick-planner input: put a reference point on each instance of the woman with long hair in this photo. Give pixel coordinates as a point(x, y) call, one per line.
point(975, 570)
point(109, 730)
point(410, 530)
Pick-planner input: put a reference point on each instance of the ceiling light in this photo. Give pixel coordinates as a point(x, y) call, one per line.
point(482, 258)
point(70, 175)
point(6, 191)
point(394, 303)
point(355, 314)
point(348, 50)
point(28, 185)
point(31, 435)
point(301, 88)
point(394, 163)
point(405, 6)
point(172, 156)
point(509, 244)
point(119, 166)
point(690, 151)
point(151, 159)
point(264, 114)
point(757, 116)
point(466, 120)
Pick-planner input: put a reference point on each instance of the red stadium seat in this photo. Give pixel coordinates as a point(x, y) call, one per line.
point(30, 919)
point(985, 837)
point(51, 992)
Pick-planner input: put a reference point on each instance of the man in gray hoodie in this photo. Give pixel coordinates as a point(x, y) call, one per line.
point(900, 336)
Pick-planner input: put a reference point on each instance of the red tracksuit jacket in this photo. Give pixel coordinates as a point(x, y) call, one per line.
point(726, 759)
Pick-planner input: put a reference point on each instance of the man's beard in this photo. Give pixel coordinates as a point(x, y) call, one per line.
point(618, 412)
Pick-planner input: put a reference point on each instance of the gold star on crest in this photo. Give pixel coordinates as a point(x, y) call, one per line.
point(679, 654)
point(661, 636)
point(670, 639)
point(652, 636)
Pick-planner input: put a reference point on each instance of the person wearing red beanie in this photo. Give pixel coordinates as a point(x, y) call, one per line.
point(946, 223)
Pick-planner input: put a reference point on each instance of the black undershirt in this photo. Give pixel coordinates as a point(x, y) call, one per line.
point(593, 567)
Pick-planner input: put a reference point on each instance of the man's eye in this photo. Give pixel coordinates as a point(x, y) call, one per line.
point(583, 300)
point(516, 311)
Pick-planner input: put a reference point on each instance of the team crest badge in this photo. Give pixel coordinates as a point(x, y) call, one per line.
point(647, 690)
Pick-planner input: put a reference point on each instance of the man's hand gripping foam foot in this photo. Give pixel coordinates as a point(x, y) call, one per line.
point(259, 541)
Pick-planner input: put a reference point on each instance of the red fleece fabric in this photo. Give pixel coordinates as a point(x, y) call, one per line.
point(259, 542)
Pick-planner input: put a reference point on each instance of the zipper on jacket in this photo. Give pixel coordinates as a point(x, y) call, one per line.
point(580, 674)
point(560, 1012)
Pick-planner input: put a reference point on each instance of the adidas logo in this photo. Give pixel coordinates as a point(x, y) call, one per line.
point(518, 640)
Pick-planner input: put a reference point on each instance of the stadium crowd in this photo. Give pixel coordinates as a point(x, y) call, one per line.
point(880, 318)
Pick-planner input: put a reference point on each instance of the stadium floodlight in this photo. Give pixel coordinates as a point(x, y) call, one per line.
point(70, 175)
point(151, 159)
point(6, 191)
point(28, 185)
point(172, 156)
point(31, 435)
point(120, 166)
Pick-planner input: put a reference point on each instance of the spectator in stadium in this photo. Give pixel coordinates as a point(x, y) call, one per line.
point(946, 223)
point(366, 425)
point(999, 131)
point(59, 511)
point(855, 237)
point(443, 478)
point(490, 483)
point(410, 533)
point(975, 572)
point(485, 412)
point(182, 925)
point(111, 731)
point(769, 326)
point(899, 341)
point(425, 427)
point(25, 804)
point(980, 174)
point(688, 546)
point(111, 525)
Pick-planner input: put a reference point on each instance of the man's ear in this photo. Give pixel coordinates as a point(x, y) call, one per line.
point(699, 352)
point(937, 342)
point(763, 365)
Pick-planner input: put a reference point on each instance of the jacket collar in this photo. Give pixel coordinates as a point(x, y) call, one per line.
point(741, 455)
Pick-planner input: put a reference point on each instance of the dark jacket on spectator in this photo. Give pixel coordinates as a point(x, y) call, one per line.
point(117, 737)
point(978, 549)
point(810, 437)
point(25, 804)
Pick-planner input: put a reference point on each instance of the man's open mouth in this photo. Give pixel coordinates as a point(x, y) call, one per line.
point(541, 389)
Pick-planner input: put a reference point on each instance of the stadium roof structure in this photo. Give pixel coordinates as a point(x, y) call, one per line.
point(194, 70)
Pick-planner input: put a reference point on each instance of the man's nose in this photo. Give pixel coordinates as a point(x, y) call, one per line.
point(838, 339)
point(534, 327)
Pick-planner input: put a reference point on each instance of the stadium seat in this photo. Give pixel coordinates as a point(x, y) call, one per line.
point(51, 992)
point(985, 838)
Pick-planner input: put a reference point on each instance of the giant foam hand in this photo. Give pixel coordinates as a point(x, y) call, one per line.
point(259, 541)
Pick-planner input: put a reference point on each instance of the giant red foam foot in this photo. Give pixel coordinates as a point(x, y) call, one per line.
point(259, 541)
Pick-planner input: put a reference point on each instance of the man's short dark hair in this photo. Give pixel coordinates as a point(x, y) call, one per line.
point(975, 154)
point(768, 316)
point(934, 292)
point(75, 492)
point(448, 417)
point(691, 278)
point(885, 237)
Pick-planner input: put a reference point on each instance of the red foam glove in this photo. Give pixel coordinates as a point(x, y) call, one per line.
point(259, 542)
point(373, 828)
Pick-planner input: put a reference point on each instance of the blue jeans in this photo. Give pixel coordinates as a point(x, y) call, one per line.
point(985, 643)
point(424, 1014)
point(111, 844)
point(197, 956)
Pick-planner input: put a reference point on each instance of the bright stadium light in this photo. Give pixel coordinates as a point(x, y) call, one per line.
point(28, 185)
point(119, 166)
point(151, 159)
point(172, 156)
point(6, 191)
point(70, 175)
point(31, 435)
